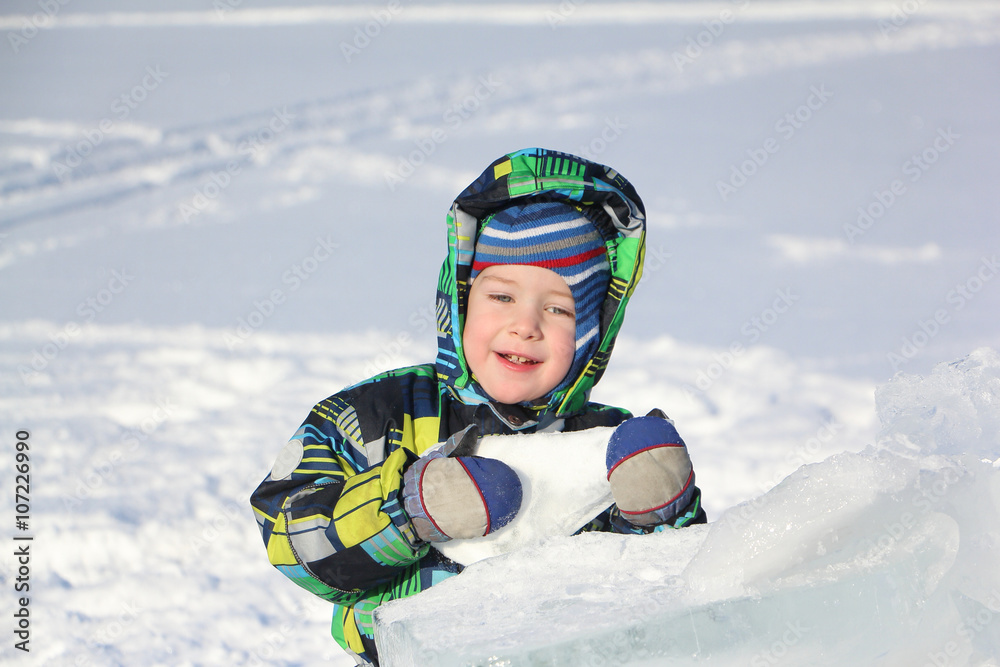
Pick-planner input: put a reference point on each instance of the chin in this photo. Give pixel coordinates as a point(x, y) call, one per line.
point(510, 397)
point(509, 400)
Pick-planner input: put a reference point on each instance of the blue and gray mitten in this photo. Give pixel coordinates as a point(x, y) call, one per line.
point(652, 479)
point(449, 495)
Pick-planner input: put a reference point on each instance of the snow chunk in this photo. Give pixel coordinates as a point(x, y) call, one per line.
point(564, 482)
point(885, 556)
point(956, 410)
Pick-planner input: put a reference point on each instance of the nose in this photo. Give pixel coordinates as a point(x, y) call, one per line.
point(525, 323)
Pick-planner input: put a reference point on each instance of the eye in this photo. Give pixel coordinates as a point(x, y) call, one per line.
point(501, 298)
point(559, 310)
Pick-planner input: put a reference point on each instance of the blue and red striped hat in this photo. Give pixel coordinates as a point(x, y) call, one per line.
point(555, 236)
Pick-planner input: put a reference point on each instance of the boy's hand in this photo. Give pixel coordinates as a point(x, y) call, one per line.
point(651, 475)
point(461, 497)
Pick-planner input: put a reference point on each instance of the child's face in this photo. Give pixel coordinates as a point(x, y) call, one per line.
point(520, 331)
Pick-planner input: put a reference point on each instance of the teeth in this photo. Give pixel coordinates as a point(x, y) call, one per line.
point(518, 360)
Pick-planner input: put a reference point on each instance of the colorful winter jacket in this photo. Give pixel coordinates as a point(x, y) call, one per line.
point(331, 512)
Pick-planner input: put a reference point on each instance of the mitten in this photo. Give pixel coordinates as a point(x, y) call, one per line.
point(651, 476)
point(459, 497)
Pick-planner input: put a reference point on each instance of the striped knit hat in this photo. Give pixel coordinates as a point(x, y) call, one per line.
point(555, 236)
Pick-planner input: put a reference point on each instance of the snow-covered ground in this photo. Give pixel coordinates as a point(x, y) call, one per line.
point(213, 216)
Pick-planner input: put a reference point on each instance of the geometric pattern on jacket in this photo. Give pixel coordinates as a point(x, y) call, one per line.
point(330, 513)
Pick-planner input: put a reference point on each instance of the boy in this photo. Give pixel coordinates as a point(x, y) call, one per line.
point(544, 251)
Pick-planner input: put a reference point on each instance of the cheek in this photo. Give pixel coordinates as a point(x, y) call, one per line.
point(469, 341)
point(564, 344)
point(474, 338)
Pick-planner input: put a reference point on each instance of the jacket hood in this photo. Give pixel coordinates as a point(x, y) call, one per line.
point(536, 174)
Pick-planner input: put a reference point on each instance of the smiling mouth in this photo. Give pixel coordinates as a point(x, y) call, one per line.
point(521, 361)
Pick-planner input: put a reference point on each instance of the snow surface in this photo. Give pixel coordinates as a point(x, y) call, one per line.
point(198, 242)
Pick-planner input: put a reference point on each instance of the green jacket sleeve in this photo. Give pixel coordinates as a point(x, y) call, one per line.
point(330, 522)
